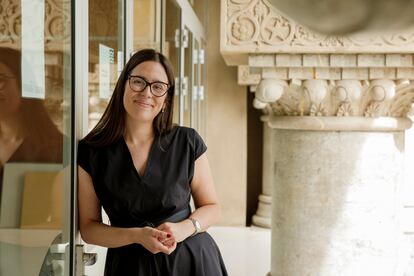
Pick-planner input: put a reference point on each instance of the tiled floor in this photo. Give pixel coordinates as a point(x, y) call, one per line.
point(245, 250)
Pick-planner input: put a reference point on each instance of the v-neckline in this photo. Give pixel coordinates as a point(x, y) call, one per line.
point(147, 165)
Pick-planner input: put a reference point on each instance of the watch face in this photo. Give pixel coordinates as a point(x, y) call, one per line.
point(197, 225)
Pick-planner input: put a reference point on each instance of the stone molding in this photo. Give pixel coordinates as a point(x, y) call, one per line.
point(255, 26)
point(342, 98)
point(57, 31)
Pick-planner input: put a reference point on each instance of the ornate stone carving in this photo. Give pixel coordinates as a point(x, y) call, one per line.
point(57, 27)
point(343, 98)
point(256, 26)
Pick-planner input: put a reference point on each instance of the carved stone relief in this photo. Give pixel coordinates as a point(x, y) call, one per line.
point(57, 30)
point(343, 98)
point(256, 26)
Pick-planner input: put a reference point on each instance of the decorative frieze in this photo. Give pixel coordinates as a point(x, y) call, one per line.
point(250, 26)
point(57, 29)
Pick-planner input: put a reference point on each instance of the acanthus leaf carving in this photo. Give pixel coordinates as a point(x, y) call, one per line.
point(402, 102)
point(343, 98)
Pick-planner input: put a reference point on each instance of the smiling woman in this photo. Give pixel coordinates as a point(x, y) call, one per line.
point(27, 133)
point(143, 170)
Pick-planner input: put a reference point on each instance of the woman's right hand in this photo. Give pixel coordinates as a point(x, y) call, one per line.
point(151, 238)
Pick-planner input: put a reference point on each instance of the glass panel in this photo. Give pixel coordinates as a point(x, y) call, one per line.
point(196, 86)
point(200, 8)
point(202, 100)
point(105, 54)
point(188, 74)
point(146, 26)
point(105, 64)
point(35, 131)
point(170, 49)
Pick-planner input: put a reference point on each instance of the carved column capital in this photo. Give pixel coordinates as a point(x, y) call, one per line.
point(381, 104)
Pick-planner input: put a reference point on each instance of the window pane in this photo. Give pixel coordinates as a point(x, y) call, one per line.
point(172, 52)
point(105, 54)
point(35, 131)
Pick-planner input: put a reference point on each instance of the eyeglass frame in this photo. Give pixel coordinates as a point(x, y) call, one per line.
point(147, 83)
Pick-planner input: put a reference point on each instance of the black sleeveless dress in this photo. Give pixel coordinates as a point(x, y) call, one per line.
point(134, 200)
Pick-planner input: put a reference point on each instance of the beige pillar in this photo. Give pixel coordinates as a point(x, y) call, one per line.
point(336, 202)
point(337, 106)
point(337, 163)
point(263, 213)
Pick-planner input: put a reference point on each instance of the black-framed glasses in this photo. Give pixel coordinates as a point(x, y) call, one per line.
point(157, 88)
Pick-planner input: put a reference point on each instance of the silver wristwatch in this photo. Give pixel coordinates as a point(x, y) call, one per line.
point(197, 226)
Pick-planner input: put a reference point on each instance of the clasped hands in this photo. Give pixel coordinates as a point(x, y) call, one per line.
point(165, 237)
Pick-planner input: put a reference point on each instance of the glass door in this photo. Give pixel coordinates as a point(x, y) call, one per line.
point(171, 48)
point(36, 138)
point(105, 60)
point(188, 79)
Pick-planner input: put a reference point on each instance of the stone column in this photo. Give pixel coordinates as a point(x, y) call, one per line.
point(338, 160)
point(337, 107)
point(263, 213)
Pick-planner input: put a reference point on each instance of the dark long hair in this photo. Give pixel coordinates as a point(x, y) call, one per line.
point(111, 127)
point(35, 116)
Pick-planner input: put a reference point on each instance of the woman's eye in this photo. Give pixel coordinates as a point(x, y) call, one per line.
point(139, 82)
point(157, 86)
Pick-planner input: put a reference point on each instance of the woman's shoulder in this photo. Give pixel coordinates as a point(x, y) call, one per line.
point(186, 130)
point(93, 147)
point(183, 133)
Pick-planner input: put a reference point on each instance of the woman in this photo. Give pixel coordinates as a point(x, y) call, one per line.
point(27, 134)
point(142, 170)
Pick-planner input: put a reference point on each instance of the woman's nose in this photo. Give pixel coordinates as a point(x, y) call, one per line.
point(147, 91)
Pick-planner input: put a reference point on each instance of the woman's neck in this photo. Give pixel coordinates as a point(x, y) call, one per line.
point(139, 132)
point(11, 129)
point(11, 137)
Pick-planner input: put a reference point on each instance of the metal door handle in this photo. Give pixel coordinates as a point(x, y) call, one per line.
point(89, 258)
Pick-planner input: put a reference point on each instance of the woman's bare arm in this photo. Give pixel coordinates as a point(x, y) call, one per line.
point(93, 231)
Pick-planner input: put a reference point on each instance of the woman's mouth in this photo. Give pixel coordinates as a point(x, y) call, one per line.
point(143, 104)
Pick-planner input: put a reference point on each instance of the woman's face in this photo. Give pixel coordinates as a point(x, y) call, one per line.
point(144, 106)
point(9, 93)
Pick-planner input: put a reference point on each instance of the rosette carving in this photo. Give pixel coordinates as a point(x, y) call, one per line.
point(57, 27)
point(257, 23)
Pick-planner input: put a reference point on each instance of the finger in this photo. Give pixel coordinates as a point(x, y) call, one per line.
point(169, 243)
point(164, 249)
point(169, 240)
point(160, 234)
point(172, 248)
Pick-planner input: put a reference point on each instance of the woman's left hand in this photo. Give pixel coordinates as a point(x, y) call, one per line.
point(178, 231)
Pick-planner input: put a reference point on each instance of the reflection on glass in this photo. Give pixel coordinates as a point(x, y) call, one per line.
point(196, 87)
point(146, 25)
point(105, 54)
point(188, 73)
point(34, 148)
point(200, 8)
point(27, 135)
point(171, 50)
point(202, 125)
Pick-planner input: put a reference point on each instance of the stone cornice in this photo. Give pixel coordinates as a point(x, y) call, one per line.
point(254, 26)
